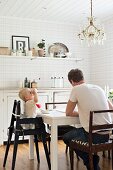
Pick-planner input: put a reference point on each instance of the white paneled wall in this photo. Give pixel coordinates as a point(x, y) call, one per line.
point(102, 59)
point(13, 70)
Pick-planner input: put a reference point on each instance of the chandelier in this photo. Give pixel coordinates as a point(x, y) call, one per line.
point(91, 34)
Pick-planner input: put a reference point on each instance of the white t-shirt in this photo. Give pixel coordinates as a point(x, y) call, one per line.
point(90, 97)
point(30, 109)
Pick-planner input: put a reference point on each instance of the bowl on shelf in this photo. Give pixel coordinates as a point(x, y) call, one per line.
point(68, 54)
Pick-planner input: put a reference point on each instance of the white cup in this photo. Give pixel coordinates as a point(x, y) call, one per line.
point(29, 53)
point(13, 53)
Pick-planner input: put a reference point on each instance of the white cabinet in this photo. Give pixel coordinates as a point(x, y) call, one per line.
point(44, 97)
point(61, 96)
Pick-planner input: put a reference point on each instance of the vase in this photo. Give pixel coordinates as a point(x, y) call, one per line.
point(41, 52)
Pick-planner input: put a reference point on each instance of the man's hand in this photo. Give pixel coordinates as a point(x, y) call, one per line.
point(70, 109)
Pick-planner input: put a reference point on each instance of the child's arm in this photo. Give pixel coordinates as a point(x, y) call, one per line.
point(34, 91)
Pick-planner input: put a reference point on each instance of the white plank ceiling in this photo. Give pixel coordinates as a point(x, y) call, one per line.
point(70, 11)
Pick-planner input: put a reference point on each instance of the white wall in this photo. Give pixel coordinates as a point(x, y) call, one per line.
point(1, 117)
point(14, 70)
point(101, 59)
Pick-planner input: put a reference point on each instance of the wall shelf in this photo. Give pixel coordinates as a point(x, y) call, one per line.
point(40, 58)
point(55, 58)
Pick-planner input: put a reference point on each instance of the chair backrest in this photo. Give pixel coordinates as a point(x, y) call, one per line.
point(14, 106)
point(98, 127)
point(54, 104)
point(13, 119)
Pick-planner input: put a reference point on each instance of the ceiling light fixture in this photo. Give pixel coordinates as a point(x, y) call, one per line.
point(91, 34)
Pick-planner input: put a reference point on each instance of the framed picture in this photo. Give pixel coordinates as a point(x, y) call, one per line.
point(20, 43)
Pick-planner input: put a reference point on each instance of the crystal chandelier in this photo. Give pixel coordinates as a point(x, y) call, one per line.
point(91, 34)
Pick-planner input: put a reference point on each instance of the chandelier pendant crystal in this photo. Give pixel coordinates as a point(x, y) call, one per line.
point(91, 34)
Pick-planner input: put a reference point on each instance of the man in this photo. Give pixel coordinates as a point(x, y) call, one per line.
point(86, 97)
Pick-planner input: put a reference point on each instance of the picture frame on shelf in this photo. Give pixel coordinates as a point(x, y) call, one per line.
point(20, 43)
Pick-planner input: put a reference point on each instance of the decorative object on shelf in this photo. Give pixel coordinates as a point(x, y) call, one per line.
point(58, 50)
point(92, 34)
point(27, 83)
point(110, 95)
point(34, 84)
point(57, 82)
point(68, 54)
point(29, 53)
point(20, 43)
point(4, 51)
point(106, 89)
point(19, 53)
point(13, 53)
point(41, 50)
point(34, 52)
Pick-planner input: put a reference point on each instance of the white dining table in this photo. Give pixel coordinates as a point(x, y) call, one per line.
point(54, 118)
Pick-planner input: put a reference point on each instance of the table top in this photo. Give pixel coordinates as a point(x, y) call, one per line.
point(61, 117)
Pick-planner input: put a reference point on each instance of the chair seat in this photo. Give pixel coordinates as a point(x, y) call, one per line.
point(84, 146)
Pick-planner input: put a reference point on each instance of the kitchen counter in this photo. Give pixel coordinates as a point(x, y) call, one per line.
point(15, 89)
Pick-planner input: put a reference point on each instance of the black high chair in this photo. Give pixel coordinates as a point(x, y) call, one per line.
point(16, 127)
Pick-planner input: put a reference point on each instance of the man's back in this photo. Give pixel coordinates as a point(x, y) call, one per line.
point(89, 97)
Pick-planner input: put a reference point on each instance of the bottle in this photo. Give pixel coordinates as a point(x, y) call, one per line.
point(57, 81)
point(52, 82)
point(34, 84)
point(26, 82)
point(29, 83)
point(62, 81)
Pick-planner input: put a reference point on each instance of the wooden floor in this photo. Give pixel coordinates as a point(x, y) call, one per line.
point(23, 162)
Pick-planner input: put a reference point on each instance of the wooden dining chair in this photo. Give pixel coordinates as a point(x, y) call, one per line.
point(89, 146)
point(16, 128)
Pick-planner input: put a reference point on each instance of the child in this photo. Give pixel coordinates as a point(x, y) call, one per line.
point(30, 97)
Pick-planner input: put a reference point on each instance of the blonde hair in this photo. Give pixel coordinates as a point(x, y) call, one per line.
point(22, 93)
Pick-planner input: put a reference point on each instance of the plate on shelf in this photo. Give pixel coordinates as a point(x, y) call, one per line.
point(58, 50)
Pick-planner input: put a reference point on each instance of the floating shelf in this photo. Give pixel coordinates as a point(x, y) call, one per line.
point(40, 58)
point(55, 58)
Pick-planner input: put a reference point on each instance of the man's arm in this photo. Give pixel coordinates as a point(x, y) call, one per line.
point(70, 109)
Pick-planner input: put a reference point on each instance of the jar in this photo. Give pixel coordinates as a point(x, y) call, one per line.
point(19, 53)
point(29, 53)
point(13, 53)
point(34, 84)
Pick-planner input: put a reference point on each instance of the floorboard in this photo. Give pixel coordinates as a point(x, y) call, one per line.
point(23, 162)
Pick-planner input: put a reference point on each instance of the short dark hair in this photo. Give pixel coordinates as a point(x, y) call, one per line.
point(75, 75)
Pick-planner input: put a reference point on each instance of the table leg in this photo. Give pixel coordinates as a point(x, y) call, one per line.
point(31, 147)
point(54, 147)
